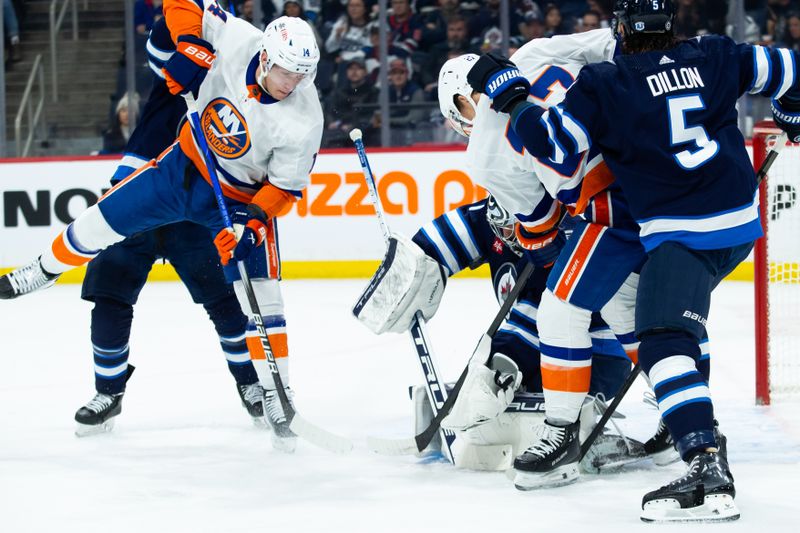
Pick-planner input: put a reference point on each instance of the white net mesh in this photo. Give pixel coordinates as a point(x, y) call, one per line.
point(783, 252)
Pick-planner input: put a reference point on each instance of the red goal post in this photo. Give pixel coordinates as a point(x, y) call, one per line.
point(777, 272)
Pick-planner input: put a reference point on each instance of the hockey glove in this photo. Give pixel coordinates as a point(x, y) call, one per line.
point(786, 112)
point(499, 79)
point(541, 249)
point(188, 66)
point(254, 222)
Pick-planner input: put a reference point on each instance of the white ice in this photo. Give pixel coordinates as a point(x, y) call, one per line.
point(184, 457)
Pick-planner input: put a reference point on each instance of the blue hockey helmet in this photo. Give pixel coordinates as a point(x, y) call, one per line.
point(644, 16)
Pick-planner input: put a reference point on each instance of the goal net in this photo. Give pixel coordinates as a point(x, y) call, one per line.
point(777, 272)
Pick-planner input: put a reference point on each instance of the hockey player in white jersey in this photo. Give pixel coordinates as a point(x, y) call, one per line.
point(261, 117)
point(597, 271)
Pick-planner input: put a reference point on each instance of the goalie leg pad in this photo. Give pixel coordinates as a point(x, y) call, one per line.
point(407, 281)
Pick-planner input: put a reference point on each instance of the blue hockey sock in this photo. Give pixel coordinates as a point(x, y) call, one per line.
point(518, 338)
point(231, 325)
point(111, 328)
point(669, 359)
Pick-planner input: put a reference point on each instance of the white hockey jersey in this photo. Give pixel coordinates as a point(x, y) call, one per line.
point(254, 138)
point(522, 184)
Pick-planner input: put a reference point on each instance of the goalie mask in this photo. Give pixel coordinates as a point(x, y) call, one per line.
point(290, 43)
point(502, 224)
point(452, 84)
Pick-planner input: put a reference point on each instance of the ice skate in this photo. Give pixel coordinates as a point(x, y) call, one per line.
point(704, 494)
point(97, 416)
point(26, 279)
point(661, 447)
point(551, 461)
point(283, 438)
point(252, 397)
point(611, 452)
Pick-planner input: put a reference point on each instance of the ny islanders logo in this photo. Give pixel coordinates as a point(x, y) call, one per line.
point(225, 129)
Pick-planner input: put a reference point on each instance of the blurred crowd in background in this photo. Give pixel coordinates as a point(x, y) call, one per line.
point(422, 35)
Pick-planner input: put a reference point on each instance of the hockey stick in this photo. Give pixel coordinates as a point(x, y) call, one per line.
point(762, 172)
point(434, 386)
point(421, 440)
point(297, 424)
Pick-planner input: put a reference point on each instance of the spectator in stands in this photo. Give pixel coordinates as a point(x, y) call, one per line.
point(372, 52)
point(791, 38)
point(488, 17)
point(116, 137)
point(602, 8)
point(435, 22)
point(404, 91)
point(532, 26)
point(589, 21)
point(145, 13)
point(777, 16)
point(11, 29)
point(405, 26)
point(457, 39)
point(245, 11)
point(688, 20)
point(553, 21)
point(350, 33)
point(293, 8)
point(345, 109)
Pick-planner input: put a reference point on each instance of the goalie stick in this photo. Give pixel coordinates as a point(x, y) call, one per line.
point(421, 440)
point(434, 386)
point(300, 426)
point(776, 148)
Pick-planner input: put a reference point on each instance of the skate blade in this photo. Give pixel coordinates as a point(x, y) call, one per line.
point(86, 430)
point(260, 423)
point(609, 465)
point(715, 508)
point(563, 475)
point(666, 457)
point(284, 444)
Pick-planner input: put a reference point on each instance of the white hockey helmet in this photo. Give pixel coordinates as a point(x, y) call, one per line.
point(452, 83)
point(290, 43)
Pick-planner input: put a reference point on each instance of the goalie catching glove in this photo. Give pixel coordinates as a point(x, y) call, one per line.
point(407, 281)
point(487, 390)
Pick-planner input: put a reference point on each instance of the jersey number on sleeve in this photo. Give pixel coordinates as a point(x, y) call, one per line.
point(681, 133)
point(541, 89)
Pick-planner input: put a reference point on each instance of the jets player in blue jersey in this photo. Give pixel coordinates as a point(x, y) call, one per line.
point(483, 233)
point(663, 115)
point(116, 276)
point(411, 280)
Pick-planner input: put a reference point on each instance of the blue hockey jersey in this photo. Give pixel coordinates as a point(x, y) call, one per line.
point(666, 124)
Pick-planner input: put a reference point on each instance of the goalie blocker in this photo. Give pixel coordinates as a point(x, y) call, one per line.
point(407, 281)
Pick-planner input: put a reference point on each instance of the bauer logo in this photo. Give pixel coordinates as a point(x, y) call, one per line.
point(225, 129)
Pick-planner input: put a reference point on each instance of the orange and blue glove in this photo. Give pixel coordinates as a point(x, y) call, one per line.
point(254, 221)
point(188, 66)
point(541, 249)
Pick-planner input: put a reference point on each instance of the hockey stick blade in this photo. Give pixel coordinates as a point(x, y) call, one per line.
point(421, 440)
point(319, 437)
point(392, 446)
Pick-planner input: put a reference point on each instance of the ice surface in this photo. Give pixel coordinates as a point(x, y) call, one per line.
point(184, 456)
